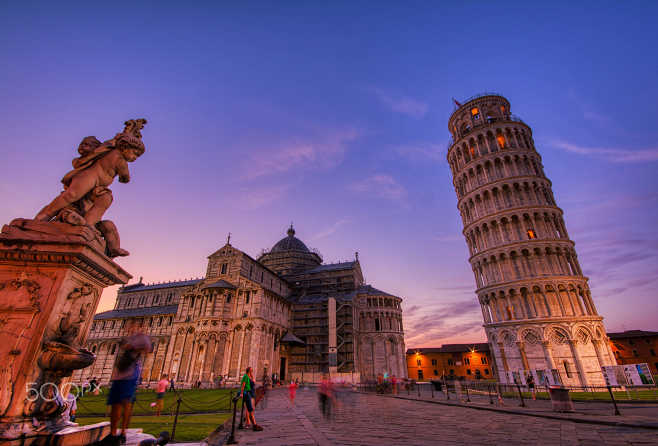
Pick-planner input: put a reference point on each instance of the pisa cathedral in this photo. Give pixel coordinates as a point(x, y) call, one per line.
point(538, 311)
point(285, 313)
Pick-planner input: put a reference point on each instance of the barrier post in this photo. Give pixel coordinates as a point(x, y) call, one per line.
point(614, 403)
point(418, 387)
point(518, 387)
point(241, 425)
point(432, 387)
point(490, 396)
point(231, 438)
point(173, 429)
point(468, 398)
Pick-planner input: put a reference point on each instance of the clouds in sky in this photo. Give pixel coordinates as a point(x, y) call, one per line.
point(331, 229)
point(402, 104)
point(423, 152)
point(435, 325)
point(614, 155)
point(381, 186)
point(322, 152)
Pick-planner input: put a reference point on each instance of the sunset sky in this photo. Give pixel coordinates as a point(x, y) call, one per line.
point(333, 115)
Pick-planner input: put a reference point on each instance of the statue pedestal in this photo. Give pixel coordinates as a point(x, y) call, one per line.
point(51, 278)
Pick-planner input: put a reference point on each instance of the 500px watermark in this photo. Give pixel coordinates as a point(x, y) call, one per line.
point(50, 391)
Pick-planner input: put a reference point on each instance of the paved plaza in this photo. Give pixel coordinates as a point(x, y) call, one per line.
point(367, 419)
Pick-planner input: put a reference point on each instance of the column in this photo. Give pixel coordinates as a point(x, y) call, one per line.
point(503, 358)
point(548, 354)
point(524, 358)
point(597, 349)
point(190, 362)
point(579, 364)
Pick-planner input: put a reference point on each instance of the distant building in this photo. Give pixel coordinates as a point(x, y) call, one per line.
point(285, 313)
point(636, 346)
point(453, 361)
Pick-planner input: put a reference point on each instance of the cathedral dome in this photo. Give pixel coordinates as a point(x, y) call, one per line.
point(290, 256)
point(290, 243)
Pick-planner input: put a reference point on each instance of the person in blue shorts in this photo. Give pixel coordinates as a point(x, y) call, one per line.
point(248, 388)
point(124, 382)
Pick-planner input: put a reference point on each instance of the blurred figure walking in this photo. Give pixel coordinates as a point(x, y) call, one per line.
point(326, 395)
point(125, 377)
point(159, 394)
point(292, 390)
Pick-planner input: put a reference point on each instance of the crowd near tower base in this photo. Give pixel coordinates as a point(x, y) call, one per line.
point(538, 312)
point(51, 278)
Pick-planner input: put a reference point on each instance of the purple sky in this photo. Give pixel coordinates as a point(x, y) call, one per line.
point(335, 117)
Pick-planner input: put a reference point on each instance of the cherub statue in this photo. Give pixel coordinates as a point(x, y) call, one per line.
point(86, 195)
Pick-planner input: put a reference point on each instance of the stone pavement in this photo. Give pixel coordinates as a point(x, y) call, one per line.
point(366, 419)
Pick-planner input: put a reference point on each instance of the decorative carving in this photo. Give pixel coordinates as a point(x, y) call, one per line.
point(509, 339)
point(86, 195)
point(582, 336)
point(85, 290)
point(24, 285)
point(530, 337)
point(559, 336)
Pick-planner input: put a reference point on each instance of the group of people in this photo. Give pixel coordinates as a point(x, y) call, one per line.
point(126, 377)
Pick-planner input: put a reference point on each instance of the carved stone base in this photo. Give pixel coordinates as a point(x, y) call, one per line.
point(70, 436)
point(51, 278)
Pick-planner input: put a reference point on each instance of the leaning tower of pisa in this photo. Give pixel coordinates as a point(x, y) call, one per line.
point(538, 312)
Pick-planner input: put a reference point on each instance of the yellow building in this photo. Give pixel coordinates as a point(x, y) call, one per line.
point(454, 361)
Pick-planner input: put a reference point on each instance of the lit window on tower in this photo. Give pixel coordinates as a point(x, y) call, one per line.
point(475, 113)
point(501, 141)
point(531, 234)
point(472, 149)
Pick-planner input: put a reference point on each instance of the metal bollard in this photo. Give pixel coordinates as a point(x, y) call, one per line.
point(447, 391)
point(490, 396)
point(518, 387)
point(231, 438)
point(418, 387)
point(432, 384)
point(468, 398)
point(173, 429)
point(241, 425)
point(614, 403)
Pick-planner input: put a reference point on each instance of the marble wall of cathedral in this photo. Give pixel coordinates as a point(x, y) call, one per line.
point(245, 314)
point(380, 336)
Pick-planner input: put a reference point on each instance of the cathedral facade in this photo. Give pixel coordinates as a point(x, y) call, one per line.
point(285, 313)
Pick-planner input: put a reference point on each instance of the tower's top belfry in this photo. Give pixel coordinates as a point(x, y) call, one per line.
point(477, 111)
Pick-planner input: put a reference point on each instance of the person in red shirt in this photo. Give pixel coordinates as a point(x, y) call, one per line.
point(159, 394)
point(292, 388)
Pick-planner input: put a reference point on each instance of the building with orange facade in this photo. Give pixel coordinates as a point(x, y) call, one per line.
point(635, 346)
point(474, 361)
point(453, 361)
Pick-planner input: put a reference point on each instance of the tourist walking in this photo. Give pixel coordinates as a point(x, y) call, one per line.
point(292, 390)
point(125, 377)
point(171, 385)
point(326, 396)
point(93, 386)
point(248, 385)
point(530, 380)
point(159, 394)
